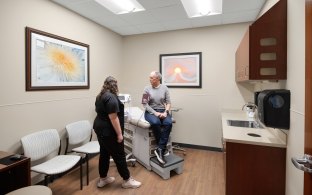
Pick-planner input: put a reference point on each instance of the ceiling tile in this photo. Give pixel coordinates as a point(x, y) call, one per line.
point(152, 4)
point(241, 5)
point(152, 27)
point(236, 17)
point(169, 13)
point(142, 17)
point(162, 15)
point(177, 24)
point(207, 21)
point(126, 30)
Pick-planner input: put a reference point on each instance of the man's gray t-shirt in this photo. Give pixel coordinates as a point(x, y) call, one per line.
point(155, 98)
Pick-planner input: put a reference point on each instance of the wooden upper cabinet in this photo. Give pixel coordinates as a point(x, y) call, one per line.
point(242, 59)
point(262, 53)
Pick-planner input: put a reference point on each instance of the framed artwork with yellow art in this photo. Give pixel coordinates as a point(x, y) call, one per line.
point(54, 62)
point(181, 70)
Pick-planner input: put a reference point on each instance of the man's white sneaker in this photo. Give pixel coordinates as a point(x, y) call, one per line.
point(131, 183)
point(159, 155)
point(104, 181)
point(166, 152)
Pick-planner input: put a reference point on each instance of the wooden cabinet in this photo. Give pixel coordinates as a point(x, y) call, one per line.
point(256, 170)
point(262, 53)
point(242, 59)
point(14, 174)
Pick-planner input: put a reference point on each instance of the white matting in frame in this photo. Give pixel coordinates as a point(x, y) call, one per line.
point(181, 69)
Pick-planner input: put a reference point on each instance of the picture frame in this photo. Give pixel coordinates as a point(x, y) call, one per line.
point(55, 63)
point(181, 70)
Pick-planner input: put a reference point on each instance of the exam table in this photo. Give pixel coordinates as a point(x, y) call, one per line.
point(144, 144)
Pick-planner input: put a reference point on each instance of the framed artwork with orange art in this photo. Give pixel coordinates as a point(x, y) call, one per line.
point(181, 70)
point(55, 63)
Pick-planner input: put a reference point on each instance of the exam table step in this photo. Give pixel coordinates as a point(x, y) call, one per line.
point(173, 163)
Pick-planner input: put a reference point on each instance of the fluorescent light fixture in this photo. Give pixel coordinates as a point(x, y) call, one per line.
point(121, 6)
point(198, 8)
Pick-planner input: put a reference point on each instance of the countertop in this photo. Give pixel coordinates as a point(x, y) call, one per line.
point(269, 136)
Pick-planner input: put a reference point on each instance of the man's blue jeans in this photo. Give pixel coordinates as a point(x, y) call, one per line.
point(161, 128)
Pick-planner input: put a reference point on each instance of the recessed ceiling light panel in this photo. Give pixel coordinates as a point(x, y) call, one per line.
point(121, 6)
point(199, 8)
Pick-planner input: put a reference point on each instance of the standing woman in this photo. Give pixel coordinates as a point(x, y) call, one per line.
point(109, 126)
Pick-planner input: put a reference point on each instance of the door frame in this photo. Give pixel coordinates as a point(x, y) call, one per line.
point(308, 92)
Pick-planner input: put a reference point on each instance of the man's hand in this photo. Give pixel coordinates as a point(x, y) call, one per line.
point(163, 115)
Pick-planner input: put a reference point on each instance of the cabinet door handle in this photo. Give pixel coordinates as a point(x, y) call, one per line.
point(304, 163)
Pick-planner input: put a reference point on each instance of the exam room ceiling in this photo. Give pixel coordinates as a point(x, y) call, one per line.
point(162, 15)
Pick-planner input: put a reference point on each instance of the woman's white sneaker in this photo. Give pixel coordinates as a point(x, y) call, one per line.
point(104, 181)
point(131, 183)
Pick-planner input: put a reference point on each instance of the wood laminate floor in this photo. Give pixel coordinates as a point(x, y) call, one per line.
point(203, 174)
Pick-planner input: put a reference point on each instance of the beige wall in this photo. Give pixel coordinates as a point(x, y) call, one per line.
point(23, 112)
point(131, 59)
point(199, 121)
point(296, 83)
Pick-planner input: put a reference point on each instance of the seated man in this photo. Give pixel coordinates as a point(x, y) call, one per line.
point(156, 101)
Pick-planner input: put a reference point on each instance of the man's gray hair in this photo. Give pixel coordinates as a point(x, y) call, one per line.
point(157, 74)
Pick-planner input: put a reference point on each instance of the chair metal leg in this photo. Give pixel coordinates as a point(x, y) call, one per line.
point(80, 164)
point(87, 167)
point(46, 180)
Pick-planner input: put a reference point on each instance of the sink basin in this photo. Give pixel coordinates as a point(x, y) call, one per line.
point(248, 124)
point(253, 135)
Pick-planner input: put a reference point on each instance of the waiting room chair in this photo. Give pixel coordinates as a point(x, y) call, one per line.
point(45, 146)
point(32, 190)
point(79, 137)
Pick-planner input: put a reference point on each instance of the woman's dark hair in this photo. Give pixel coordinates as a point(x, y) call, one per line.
point(110, 85)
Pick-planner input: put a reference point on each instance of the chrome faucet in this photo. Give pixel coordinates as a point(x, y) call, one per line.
point(254, 108)
point(250, 105)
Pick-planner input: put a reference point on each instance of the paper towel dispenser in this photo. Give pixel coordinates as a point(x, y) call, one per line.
point(274, 107)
